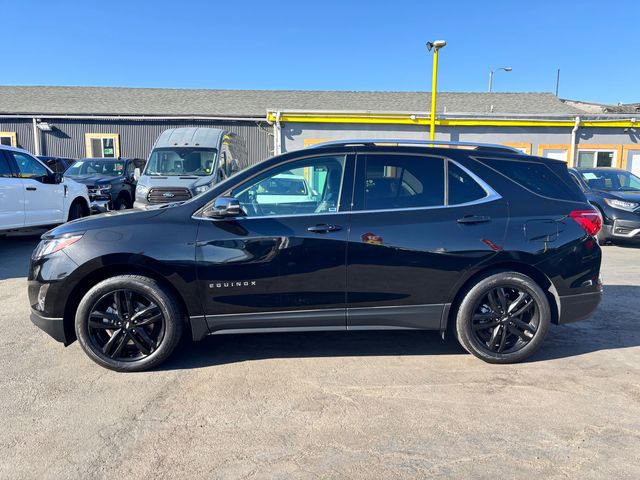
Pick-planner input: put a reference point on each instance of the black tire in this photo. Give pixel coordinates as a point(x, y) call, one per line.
point(122, 331)
point(75, 211)
point(121, 203)
point(481, 324)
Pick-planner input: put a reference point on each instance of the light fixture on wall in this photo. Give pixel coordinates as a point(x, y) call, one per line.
point(44, 126)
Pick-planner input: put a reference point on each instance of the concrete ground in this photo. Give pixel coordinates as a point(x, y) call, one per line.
point(339, 405)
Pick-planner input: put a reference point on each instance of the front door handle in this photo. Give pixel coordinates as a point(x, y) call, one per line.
point(31, 189)
point(467, 219)
point(324, 228)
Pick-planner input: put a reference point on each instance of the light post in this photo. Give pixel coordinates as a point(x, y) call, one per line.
point(491, 72)
point(436, 46)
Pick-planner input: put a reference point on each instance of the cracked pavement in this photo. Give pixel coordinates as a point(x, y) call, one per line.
point(326, 405)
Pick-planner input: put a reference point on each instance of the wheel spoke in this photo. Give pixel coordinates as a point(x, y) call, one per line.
point(502, 299)
point(144, 311)
point(121, 343)
point(478, 317)
point(104, 326)
point(494, 337)
point(143, 348)
point(112, 317)
point(503, 338)
point(112, 341)
point(493, 303)
point(522, 297)
point(151, 345)
point(519, 333)
point(148, 321)
point(128, 295)
point(524, 326)
point(119, 302)
point(486, 325)
point(519, 312)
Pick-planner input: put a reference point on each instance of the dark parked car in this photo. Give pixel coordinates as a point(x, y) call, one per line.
point(616, 195)
point(111, 181)
point(488, 243)
point(58, 164)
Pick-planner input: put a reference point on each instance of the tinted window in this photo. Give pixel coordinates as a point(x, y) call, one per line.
point(536, 177)
point(28, 166)
point(462, 188)
point(303, 187)
point(5, 171)
point(403, 181)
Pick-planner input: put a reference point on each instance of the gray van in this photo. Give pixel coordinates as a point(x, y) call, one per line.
point(185, 162)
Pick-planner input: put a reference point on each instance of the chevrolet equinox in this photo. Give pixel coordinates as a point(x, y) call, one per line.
point(482, 241)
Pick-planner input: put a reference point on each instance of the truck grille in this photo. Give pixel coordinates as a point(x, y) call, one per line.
point(168, 194)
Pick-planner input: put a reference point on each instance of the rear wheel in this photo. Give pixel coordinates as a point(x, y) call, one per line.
point(128, 323)
point(503, 318)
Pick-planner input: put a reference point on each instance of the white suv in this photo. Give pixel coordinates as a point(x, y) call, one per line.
point(32, 195)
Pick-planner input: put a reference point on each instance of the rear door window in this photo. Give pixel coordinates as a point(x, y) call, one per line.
point(462, 188)
point(403, 181)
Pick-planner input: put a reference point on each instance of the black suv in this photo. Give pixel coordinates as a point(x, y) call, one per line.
point(111, 181)
point(484, 241)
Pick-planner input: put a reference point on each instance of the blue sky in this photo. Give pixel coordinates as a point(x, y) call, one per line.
point(342, 45)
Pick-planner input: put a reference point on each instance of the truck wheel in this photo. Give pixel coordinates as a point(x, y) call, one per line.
point(503, 318)
point(121, 204)
point(75, 211)
point(128, 323)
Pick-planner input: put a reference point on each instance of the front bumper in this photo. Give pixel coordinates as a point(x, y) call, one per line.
point(625, 229)
point(578, 307)
point(100, 206)
point(53, 326)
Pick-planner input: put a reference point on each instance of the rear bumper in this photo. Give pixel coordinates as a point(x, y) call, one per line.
point(578, 307)
point(53, 326)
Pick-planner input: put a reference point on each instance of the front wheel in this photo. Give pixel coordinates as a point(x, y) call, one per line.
point(75, 211)
point(503, 318)
point(128, 323)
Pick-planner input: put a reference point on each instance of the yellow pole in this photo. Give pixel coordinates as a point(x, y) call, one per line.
point(434, 84)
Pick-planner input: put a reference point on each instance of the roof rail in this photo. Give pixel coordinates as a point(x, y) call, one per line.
point(427, 143)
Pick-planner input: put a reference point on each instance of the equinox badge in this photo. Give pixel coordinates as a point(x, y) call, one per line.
point(251, 283)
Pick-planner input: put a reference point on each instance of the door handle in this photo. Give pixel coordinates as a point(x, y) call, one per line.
point(468, 219)
point(324, 228)
point(31, 189)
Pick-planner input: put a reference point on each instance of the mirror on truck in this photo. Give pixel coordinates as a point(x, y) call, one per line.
point(136, 174)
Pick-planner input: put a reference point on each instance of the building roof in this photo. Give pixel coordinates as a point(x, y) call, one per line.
point(254, 103)
point(591, 107)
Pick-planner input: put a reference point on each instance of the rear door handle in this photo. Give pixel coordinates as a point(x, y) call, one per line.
point(324, 228)
point(31, 189)
point(474, 219)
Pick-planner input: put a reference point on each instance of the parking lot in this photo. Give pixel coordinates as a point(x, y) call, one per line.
point(356, 405)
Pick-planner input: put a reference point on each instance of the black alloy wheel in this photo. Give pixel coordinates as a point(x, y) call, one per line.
point(506, 319)
point(129, 323)
point(503, 317)
point(126, 325)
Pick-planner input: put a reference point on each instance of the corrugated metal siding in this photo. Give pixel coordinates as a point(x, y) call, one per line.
point(136, 136)
point(23, 129)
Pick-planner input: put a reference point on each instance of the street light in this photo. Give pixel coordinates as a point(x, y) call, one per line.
point(436, 46)
point(491, 72)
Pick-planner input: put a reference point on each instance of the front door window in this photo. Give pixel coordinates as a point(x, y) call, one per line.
point(304, 187)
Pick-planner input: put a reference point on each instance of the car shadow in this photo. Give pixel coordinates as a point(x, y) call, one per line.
point(15, 253)
point(613, 326)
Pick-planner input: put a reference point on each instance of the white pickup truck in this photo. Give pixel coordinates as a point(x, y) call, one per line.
point(31, 195)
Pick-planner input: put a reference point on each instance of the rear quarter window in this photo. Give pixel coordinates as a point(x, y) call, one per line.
point(537, 177)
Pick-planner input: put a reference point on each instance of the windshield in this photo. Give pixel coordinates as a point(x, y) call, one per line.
point(96, 167)
point(182, 161)
point(611, 180)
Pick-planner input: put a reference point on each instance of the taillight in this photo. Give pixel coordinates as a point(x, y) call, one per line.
point(590, 220)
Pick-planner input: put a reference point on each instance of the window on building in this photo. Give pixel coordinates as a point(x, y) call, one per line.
point(102, 145)
point(596, 158)
point(8, 139)
point(403, 181)
point(556, 153)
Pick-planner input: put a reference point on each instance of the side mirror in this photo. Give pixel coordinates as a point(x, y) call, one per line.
point(224, 207)
point(136, 174)
point(58, 177)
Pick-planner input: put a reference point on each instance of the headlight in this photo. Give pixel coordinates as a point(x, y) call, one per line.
point(53, 245)
point(141, 192)
point(202, 188)
point(104, 188)
point(621, 204)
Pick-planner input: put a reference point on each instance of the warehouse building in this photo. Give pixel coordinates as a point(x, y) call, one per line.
point(110, 122)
